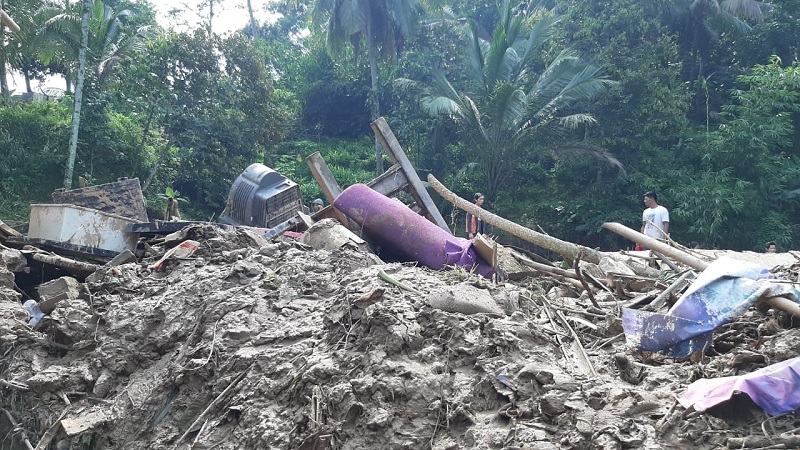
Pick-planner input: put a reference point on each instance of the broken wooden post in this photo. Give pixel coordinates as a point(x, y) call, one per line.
point(325, 180)
point(400, 177)
point(395, 151)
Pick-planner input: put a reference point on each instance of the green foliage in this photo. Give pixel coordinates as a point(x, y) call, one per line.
point(32, 139)
point(690, 116)
point(350, 162)
point(172, 194)
point(512, 103)
point(216, 119)
point(707, 202)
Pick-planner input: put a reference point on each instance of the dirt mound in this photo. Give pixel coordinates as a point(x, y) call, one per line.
point(246, 345)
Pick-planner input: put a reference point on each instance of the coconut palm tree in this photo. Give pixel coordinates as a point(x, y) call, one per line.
point(9, 47)
point(76, 112)
point(96, 39)
point(379, 24)
point(110, 40)
point(699, 23)
point(508, 106)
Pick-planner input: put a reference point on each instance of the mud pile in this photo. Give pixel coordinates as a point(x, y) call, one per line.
point(281, 346)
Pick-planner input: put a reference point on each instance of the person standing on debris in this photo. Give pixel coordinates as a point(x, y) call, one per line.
point(317, 205)
point(771, 247)
point(475, 225)
point(655, 218)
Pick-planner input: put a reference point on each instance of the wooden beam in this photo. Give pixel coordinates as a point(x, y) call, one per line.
point(319, 168)
point(9, 22)
point(390, 182)
point(389, 142)
point(656, 245)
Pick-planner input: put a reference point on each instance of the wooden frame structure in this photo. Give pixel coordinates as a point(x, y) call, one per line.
point(400, 177)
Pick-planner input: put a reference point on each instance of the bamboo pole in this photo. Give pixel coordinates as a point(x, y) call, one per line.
point(656, 245)
point(781, 303)
point(9, 22)
point(567, 250)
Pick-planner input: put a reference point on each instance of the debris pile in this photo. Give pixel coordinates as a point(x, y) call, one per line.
point(366, 326)
point(250, 344)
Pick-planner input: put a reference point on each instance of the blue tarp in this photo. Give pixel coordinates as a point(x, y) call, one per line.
point(725, 289)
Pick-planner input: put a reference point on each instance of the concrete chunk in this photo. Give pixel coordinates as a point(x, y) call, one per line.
point(76, 425)
point(12, 259)
point(53, 292)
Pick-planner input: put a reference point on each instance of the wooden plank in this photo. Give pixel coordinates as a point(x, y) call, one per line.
point(389, 142)
point(63, 248)
point(6, 230)
point(390, 182)
point(319, 168)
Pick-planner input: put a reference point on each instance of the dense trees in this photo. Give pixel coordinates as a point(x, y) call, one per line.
point(381, 24)
point(531, 105)
point(515, 102)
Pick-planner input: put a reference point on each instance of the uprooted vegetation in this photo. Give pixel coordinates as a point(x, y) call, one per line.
point(283, 346)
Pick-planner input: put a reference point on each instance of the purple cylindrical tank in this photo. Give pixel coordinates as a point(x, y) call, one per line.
point(406, 233)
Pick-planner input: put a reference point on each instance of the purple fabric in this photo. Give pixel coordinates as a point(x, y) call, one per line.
point(775, 388)
point(407, 233)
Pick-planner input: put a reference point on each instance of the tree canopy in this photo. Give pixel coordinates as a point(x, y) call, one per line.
point(562, 113)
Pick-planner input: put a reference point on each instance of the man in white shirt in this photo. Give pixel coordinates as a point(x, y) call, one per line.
point(655, 218)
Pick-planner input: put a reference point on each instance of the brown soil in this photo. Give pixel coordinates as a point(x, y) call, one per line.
point(286, 347)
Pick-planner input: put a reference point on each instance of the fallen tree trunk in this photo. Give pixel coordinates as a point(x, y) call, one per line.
point(567, 250)
point(66, 263)
point(781, 303)
point(656, 245)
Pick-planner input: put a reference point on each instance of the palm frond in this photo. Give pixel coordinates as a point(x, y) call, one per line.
point(439, 105)
point(744, 9)
point(475, 60)
point(576, 151)
point(404, 14)
point(541, 32)
point(352, 16)
point(575, 121)
point(321, 12)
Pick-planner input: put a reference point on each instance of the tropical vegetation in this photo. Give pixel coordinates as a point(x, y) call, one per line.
point(562, 112)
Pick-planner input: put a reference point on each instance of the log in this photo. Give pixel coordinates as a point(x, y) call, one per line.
point(781, 303)
point(60, 261)
point(567, 250)
point(9, 22)
point(656, 245)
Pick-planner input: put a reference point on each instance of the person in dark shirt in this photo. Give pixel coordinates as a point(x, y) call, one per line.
point(475, 224)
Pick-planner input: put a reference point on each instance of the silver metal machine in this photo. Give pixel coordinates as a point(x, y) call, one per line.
point(261, 197)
